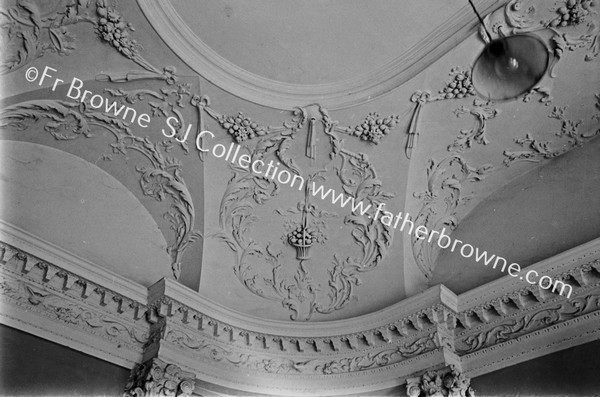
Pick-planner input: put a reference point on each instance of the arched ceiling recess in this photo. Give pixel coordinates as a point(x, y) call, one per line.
point(73, 204)
point(423, 34)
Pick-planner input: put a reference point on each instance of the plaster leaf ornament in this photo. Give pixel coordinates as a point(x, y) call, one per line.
point(537, 150)
point(381, 358)
point(441, 199)
point(64, 120)
point(38, 299)
point(482, 111)
point(29, 34)
point(460, 86)
point(167, 103)
point(514, 328)
point(158, 378)
point(160, 178)
point(442, 383)
point(573, 24)
point(300, 293)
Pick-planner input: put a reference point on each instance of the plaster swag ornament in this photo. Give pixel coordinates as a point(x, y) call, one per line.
point(157, 378)
point(460, 86)
point(359, 180)
point(35, 29)
point(440, 384)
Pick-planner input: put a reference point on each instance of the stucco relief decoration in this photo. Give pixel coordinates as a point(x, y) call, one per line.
point(158, 378)
point(459, 86)
point(570, 25)
point(160, 178)
point(563, 24)
point(70, 312)
point(373, 128)
point(447, 178)
point(511, 329)
point(32, 29)
point(537, 150)
point(207, 349)
point(446, 181)
point(304, 224)
point(440, 384)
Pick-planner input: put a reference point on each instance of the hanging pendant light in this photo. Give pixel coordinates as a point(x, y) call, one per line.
point(509, 66)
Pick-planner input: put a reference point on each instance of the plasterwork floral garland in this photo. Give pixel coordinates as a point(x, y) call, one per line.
point(245, 190)
point(162, 178)
point(31, 33)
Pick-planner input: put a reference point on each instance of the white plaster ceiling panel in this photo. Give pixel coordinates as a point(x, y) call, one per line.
point(423, 148)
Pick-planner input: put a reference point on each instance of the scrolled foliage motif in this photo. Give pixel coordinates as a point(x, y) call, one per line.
point(30, 33)
point(444, 194)
point(361, 362)
point(158, 378)
point(482, 112)
point(440, 384)
point(300, 293)
point(540, 319)
point(537, 150)
point(162, 178)
point(71, 313)
point(382, 358)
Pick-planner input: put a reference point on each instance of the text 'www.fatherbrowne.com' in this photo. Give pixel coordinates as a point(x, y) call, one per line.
point(443, 240)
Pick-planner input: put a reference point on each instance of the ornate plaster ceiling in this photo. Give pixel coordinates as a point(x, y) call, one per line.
point(424, 149)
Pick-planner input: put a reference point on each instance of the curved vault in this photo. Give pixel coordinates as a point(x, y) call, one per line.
point(542, 213)
point(73, 204)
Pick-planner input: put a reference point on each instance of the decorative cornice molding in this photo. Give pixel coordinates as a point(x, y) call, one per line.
point(230, 77)
point(49, 296)
point(50, 253)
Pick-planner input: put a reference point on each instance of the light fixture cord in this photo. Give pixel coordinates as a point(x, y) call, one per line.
point(480, 20)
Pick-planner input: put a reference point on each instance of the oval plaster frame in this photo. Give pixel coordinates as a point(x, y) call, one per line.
point(286, 96)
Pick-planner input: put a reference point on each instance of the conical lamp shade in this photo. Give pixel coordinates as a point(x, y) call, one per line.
point(510, 66)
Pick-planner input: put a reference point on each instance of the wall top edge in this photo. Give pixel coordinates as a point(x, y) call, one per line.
point(430, 303)
point(554, 266)
point(57, 256)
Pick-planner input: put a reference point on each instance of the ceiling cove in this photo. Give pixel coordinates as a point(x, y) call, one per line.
point(431, 41)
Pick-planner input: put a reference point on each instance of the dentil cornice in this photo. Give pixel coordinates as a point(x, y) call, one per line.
point(182, 335)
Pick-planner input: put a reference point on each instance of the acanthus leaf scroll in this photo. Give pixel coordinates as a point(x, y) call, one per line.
point(300, 293)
